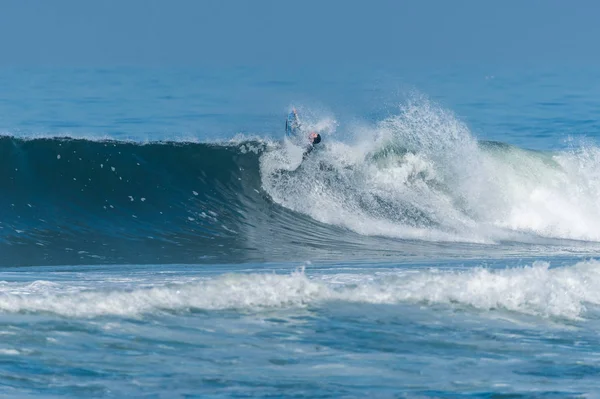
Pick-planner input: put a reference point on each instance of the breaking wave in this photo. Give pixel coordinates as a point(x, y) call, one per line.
point(415, 179)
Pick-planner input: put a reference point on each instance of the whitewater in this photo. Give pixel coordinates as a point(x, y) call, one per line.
point(432, 246)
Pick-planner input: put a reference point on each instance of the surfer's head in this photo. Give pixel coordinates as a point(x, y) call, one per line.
point(315, 138)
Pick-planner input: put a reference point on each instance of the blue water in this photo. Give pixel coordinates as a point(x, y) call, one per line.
point(158, 238)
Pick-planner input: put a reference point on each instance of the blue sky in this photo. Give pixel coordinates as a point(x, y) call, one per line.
point(187, 32)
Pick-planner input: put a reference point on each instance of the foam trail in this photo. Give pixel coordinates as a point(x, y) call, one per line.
point(534, 290)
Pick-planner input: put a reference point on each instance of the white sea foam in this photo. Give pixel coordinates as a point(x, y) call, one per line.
point(422, 175)
point(10, 352)
point(539, 290)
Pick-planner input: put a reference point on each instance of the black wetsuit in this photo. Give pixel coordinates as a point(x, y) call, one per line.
point(311, 146)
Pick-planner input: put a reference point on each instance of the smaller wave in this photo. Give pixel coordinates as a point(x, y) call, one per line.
point(538, 290)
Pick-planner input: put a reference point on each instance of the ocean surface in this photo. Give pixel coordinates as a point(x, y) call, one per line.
point(160, 239)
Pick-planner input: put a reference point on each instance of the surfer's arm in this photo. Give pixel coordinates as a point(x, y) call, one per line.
point(307, 151)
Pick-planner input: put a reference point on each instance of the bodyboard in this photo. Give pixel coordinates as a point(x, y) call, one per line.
point(292, 126)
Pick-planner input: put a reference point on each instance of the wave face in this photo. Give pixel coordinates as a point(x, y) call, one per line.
point(407, 186)
point(76, 201)
point(68, 200)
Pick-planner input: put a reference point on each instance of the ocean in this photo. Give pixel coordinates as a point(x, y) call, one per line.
point(159, 238)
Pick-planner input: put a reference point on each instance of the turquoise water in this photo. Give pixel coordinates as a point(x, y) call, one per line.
point(158, 238)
